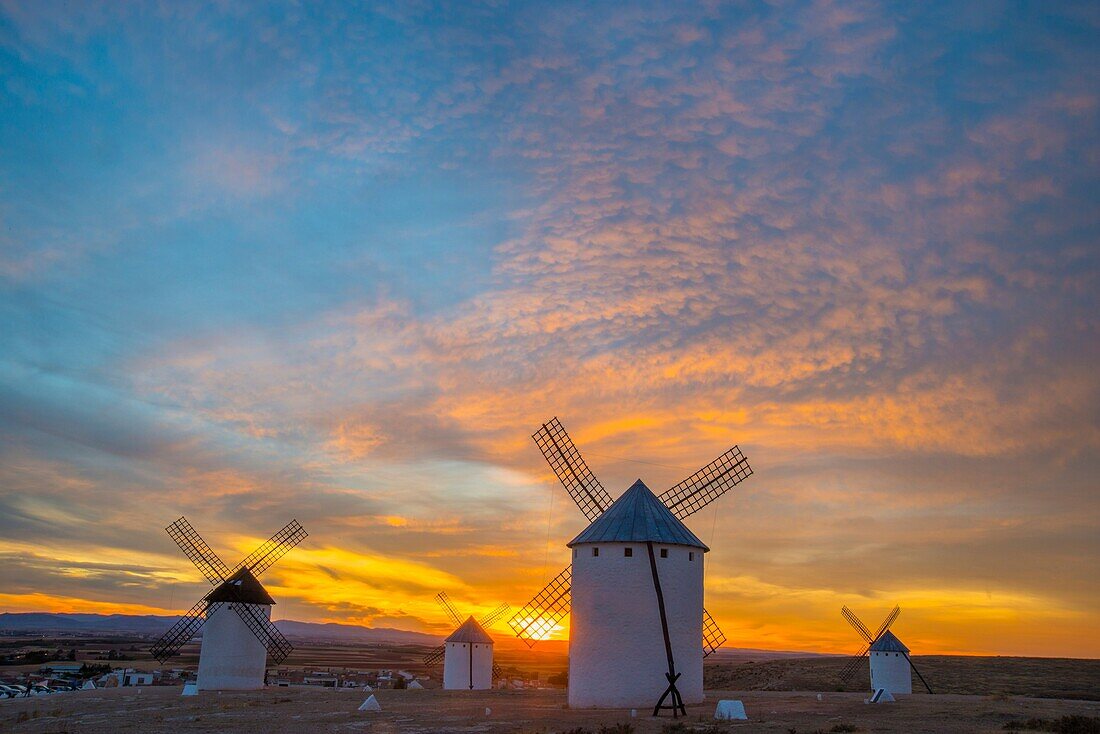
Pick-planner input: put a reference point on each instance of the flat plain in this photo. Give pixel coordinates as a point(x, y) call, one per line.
point(279, 710)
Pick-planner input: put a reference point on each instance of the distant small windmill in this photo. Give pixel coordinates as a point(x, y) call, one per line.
point(636, 631)
point(467, 654)
point(890, 661)
point(238, 640)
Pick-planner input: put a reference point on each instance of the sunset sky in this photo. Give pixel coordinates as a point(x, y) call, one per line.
point(336, 264)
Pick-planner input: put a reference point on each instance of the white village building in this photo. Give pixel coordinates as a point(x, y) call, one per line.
point(468, 660)
point(634, 558)
point(890, 665)
point(232, 657)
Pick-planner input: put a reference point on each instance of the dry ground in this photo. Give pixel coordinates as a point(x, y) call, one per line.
point(1037, 677)
point(278, 710)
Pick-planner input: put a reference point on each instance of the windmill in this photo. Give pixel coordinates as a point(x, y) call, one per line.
point(890, 661)
point(467, 654)
point(633, 623)
point(239, 635)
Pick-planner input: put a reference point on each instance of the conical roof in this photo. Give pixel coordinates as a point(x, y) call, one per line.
point(470, 631)
point(888, 642)
point(241, 587)
point(636, 517)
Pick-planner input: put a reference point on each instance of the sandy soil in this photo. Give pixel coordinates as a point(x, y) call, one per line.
point(277, 710)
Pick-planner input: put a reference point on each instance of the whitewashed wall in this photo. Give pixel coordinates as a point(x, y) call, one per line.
point(231, 657)
point(890, 670)
point(456, 666)
point(616, 648)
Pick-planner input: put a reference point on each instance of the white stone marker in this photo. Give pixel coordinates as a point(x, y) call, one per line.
point(728, 710)
point(371, 704)
point(190, 689)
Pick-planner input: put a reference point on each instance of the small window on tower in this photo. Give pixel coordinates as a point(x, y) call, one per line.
point(691, 555)
point(595, 551)
point(628, 552)
point(664, 553)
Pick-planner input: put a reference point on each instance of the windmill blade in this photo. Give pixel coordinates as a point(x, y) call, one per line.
point(713, 637)
point(197, 551)
point(707, 484)
point(180, 633)
point(448, 607)
point(494, 615)
point(888, 621)
point(498, 673)
point(857, 625)
point(571, 469)
point(539, 616)
point(922, 680)
point(435, 655)
point(274, 548)
point(268, 634)
point(853, 665)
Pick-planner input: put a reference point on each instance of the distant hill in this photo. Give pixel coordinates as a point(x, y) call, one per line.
point(151, 624)
point(154, 625)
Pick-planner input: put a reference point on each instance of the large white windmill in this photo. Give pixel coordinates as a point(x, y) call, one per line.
point(235, 616)
point(890, 661)
point(638, 632)
point(467, 653)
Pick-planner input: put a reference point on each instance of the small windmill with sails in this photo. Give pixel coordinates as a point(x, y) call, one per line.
point(890, 661)
point(467, 653)
point(238, 636)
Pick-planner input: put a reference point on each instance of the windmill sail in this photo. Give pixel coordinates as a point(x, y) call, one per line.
point(448, 607)
point(707, 484)
point(542, 614)
point(494, 615)
point(197, 551)
point(571, 469)
point(180, 633)
point(274, 548)
point(268, 634)
point(854, 664)
point(888, 621)
point(857, 625)
point(435, 655)
point(713, 637)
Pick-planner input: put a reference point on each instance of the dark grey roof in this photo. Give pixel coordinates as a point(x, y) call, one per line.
point(241, 587)
point(638, 516)
point(888, 643)
point(470, 631)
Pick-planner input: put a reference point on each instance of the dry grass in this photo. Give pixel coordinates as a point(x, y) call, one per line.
point(1036, 677)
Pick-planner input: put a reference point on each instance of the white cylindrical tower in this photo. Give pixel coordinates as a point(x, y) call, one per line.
point(617, 652)
point(890, 665)
point(468, 659)
point(231, 656)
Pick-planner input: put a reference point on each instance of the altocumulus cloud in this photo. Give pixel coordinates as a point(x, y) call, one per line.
point(338, 264)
